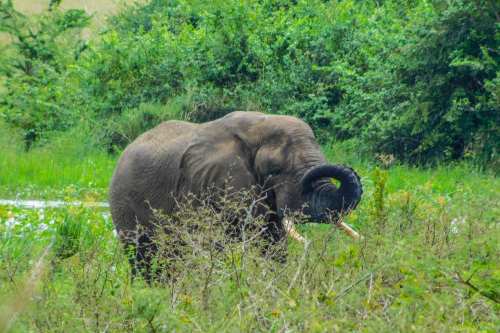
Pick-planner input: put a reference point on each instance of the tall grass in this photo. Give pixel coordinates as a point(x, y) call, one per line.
point(103, 6)
point(69, 160)
point(428, 262)
point(432, 266)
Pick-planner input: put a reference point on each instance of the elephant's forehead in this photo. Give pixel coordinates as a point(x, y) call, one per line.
point(294, 126)
point(288, 128)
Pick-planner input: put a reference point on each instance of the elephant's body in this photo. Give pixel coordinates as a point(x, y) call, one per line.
point(240, 150)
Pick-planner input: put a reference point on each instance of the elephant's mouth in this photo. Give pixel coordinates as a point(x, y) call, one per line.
point(293, 233)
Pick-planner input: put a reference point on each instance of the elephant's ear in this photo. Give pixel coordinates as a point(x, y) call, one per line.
point(269, 160)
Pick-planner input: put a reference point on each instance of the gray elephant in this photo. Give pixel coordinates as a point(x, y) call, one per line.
point(246, 149)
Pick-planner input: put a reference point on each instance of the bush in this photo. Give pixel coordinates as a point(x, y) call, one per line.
point(122, 129)
point(34, 66)
point(415, 79)
point(446, 75)
point(225, 56)
point(396, 76)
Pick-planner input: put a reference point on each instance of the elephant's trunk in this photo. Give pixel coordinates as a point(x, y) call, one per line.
point(324, 198)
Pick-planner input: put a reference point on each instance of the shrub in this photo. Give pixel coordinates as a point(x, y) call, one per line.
point(122, 129)
point(434, 98)
point(34, 65)
point(416, 79)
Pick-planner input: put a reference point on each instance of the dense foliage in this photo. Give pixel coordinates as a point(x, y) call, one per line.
point(38, 56)
point(413, 80)
point(416, 79)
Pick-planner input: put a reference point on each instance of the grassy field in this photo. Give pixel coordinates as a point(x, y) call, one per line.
point(429, 260)
point(67, 167)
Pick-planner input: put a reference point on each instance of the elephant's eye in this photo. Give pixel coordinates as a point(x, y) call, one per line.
point(275, 172)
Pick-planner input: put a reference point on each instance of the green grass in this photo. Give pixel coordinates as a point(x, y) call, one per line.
point(429, 261)
point(68, 166)
point(42, 169)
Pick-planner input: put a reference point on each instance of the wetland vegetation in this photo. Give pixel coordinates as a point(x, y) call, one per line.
point(406, 92)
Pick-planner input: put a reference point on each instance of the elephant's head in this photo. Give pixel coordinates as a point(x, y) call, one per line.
point(290, 162)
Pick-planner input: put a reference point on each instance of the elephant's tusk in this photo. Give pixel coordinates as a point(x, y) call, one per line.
point(348, 230)
point(290, 229)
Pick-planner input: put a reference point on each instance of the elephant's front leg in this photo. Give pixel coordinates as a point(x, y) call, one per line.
point(275, 241)
point(145, 252)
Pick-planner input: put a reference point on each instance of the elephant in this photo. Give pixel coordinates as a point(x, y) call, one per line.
point(244, 149)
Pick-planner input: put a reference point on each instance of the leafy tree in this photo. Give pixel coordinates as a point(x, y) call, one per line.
point(35, 60)
point(415, 79)
point(448, 72)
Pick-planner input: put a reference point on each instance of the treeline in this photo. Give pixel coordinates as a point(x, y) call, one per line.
point(418, 79)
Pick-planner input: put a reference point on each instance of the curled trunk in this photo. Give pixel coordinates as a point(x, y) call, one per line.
point(324, 198)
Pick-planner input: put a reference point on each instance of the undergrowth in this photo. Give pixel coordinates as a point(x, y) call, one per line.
point(428, 262)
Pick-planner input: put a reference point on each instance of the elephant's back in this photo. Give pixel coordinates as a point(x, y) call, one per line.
point(149, 170)
point(166, 132)
point(159, 148)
